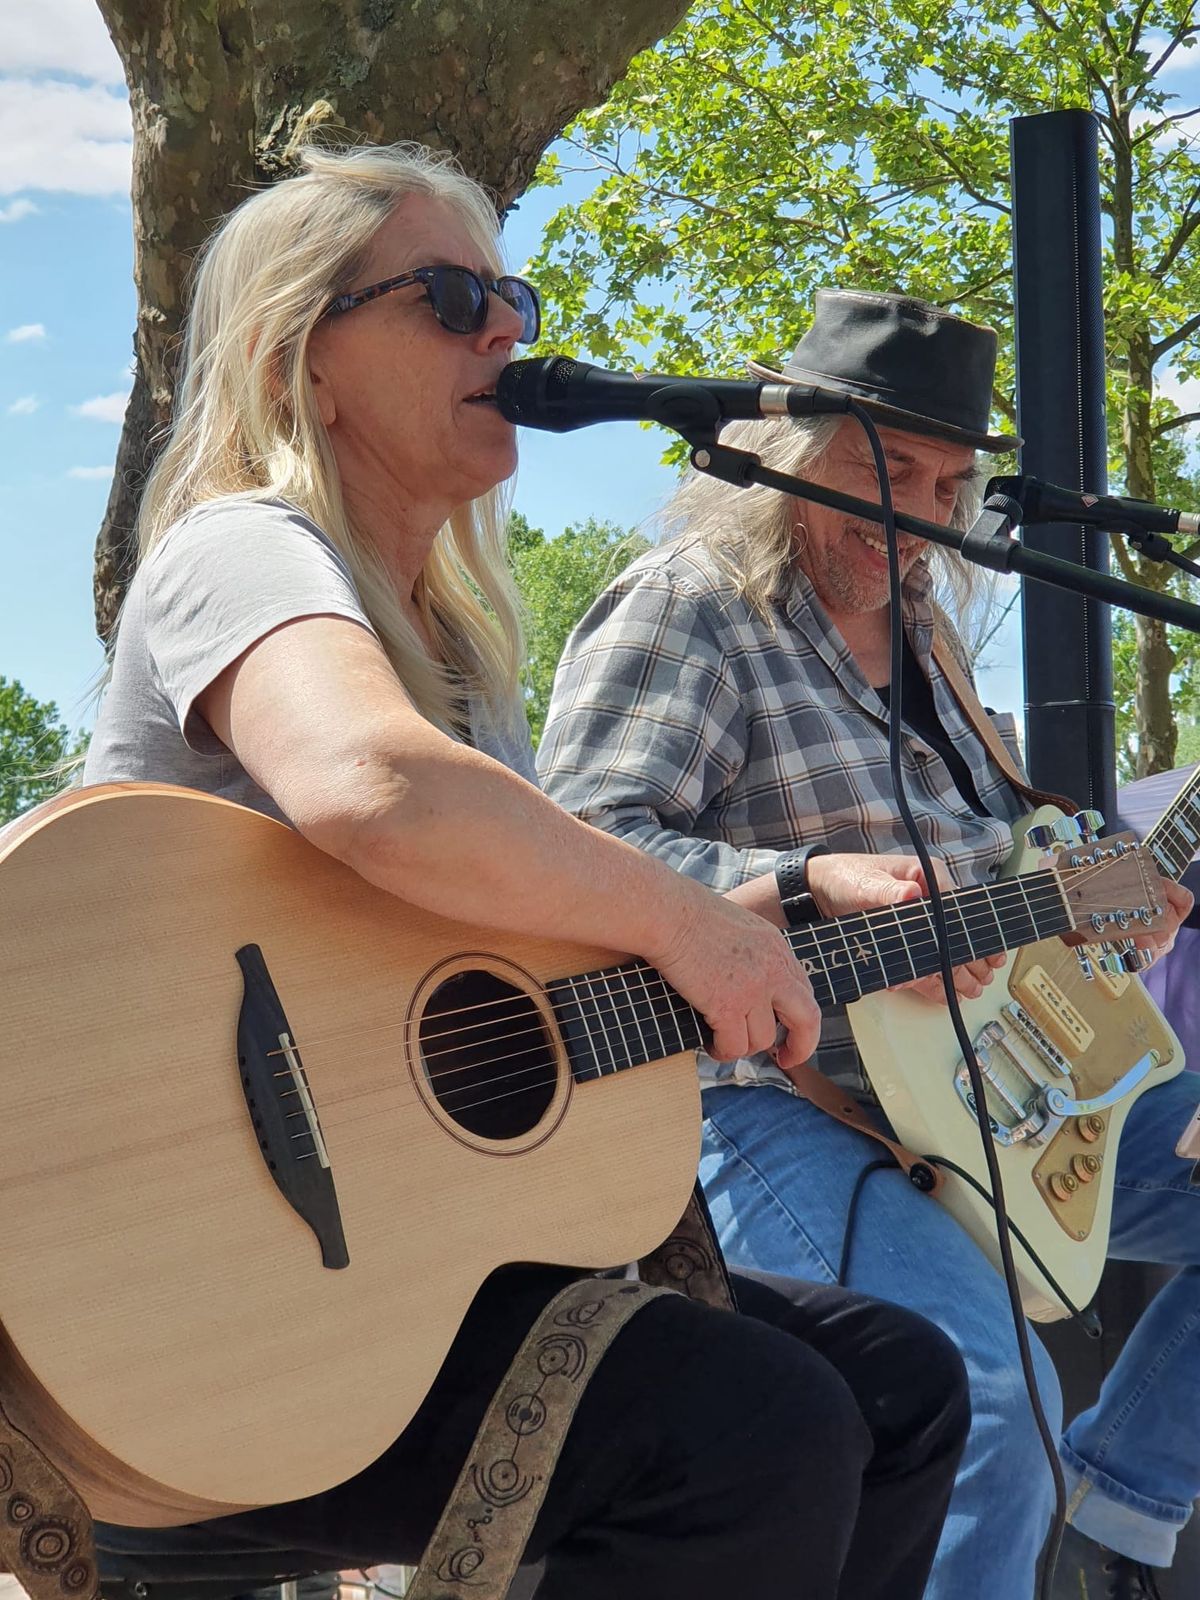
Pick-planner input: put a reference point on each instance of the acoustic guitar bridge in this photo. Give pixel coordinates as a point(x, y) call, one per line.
point(282, 1110)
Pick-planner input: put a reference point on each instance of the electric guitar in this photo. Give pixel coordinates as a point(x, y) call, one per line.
point(264, 1129)
point(1067, 1040)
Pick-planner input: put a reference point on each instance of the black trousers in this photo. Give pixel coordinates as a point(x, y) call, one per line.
point(802, 1449)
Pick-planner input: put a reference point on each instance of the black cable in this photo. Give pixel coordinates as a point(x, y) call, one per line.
point(896, 617)
point(1086, 1319)
point(885, 1163)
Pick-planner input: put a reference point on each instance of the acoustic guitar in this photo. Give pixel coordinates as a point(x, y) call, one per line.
point(264, 1129)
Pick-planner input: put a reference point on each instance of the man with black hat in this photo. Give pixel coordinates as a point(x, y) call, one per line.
point(724, 705)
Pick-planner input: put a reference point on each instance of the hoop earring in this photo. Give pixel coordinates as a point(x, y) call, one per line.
point(799, 538)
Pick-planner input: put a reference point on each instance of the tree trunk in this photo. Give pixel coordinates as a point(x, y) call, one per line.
point(220, 89)
point(1156, 729)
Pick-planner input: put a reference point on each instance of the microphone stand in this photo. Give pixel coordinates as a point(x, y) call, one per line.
point(691, 411)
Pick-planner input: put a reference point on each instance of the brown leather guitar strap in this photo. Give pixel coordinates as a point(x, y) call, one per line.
point(478, 1543)
point(823, 1093)
point(46, 1538)
point(947, 659)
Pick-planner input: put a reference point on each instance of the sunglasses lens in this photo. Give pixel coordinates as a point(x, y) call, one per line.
point(522, 297)
point(459, 299)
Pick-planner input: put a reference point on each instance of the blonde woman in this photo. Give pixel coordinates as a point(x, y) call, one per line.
point(321, 627)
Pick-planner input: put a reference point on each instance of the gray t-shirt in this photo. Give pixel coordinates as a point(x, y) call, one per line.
point(223, 577)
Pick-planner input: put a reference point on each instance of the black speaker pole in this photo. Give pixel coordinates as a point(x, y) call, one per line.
point(1069, 710)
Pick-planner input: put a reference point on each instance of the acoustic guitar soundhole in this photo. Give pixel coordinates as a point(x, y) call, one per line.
point(487, 1055)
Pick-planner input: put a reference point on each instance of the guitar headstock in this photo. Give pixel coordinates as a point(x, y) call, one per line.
point(1110, 885)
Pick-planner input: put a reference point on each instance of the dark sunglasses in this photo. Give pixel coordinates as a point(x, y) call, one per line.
point(459, 298)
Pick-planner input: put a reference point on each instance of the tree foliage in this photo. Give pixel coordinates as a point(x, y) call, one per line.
point(559, 578)
point(762, 150)
point(33, 743)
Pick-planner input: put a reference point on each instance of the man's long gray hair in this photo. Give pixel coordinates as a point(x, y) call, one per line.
point(751, 532)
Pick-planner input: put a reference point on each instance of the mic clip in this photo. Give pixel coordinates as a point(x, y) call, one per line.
point(693, 412)
point(988, 540)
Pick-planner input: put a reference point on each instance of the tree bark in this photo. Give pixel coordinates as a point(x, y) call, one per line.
point(1157, 732)
point(220, 88)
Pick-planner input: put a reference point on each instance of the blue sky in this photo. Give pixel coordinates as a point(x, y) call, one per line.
point(67, 310)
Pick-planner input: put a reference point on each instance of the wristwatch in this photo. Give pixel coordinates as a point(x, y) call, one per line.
point(791, 879)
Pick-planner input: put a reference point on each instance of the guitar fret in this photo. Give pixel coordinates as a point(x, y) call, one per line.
point(644, 1052)
point(912, 970)
point(623, 1032)
point(849, 970)
point(593, 1034)
point(639, 994)
point(952, 910)
point(1165, 859)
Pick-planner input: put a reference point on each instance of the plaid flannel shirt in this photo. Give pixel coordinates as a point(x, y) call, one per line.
point(681, 722)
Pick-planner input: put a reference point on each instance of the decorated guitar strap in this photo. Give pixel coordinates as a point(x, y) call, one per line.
point(823, 1093)
point(478, 1543)
point(46, 1538)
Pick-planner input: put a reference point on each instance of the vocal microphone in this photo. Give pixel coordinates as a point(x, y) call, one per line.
point(1046, 502)
point(558, 394)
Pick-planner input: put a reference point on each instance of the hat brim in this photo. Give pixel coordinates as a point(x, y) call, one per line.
point(892, 416)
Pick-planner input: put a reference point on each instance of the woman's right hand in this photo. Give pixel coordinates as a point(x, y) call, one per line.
point(739, 973)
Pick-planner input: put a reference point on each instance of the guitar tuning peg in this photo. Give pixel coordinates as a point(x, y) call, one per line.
point(1046, 835)
point(1136, 960)
point(1111, 963)
point(1090, 824)
point(1085, 966)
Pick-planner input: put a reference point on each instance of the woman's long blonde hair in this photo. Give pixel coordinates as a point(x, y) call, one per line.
point(246, 420)
point(750, 533)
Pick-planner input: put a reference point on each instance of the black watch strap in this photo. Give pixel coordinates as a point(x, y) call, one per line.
point(791, 879)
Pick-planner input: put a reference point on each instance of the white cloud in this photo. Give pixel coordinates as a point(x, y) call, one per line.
point(59, 36)
point(63, 136)
point(25, 406)
point(104, 407)
point(1185, 56)
point(1185, 392)
point(17, 210)
point(26, 333)
point(89, 472)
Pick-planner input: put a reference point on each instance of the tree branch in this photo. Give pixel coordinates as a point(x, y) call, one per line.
point(1188, 224)
point(1152, 132)
point(1182, 333)
point(996, 626)
point(1125, 560)
point(1180, 421)
point(1172, 43)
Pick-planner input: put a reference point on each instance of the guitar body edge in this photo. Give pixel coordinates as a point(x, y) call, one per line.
point(1101, 1029)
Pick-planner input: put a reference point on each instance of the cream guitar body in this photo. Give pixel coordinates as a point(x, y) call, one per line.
point(1041, 1029)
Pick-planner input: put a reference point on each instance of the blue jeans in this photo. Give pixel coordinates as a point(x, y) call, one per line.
point(779, 1175)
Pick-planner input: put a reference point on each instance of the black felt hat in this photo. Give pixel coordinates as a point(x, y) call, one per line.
point(910, 364)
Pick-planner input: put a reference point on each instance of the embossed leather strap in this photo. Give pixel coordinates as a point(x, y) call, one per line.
point(478, 1543)
point(952, 670)
point(823, 1093)
point(46, 1538)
